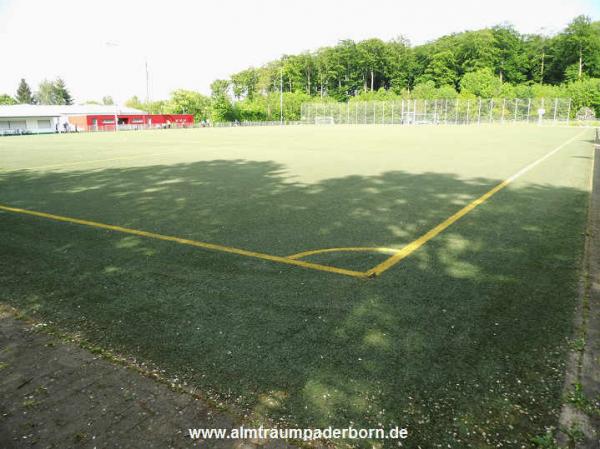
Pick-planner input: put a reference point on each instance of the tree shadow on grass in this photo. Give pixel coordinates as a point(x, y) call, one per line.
point(463, 342)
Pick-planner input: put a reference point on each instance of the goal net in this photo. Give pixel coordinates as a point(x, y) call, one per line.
point(324, 120)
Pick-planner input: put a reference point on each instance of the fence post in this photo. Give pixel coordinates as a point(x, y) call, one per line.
point(569, 112)
point(446, 111)
point(402, 113)
point(392, 112)
point(528, 109)
point(555, 109)
point(415, 112)
point(456, 112)
point(491, 108)
point(516, 109)
point(383, 113)
point(479, 113)
point(468, 111)
point(503, 109)
point(348, 112)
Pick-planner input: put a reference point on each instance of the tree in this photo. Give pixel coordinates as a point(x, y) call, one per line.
point(537, 56)
point(24, 95)
point(293, 72)
point(579, 44)
point(442, 69)
point(135, 103)
point(50, 92)
point(189, 102)
point(222, 108)
point(45, 93)
point(371, 59)
point(482, 83)
point(7, 100)
point(61, 93)
point(585, 93)
point(244, 83)
point(511, 57)
point(425, 90)
point(107, 100)
point(400, 64)
point(477, 50)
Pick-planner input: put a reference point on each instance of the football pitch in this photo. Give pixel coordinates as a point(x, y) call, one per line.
point(419, 276)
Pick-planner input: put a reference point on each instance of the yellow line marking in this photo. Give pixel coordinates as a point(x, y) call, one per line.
point(416, 244)
point(204, 245)
point(312, 252)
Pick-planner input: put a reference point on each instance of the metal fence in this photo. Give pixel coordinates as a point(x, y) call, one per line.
point(271, 123)
point(130, 127)
point(441, 111)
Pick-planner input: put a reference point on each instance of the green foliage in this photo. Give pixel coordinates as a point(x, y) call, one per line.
point(7, 99)
point(267, 107)
point(584, 93)
point(45, 93)
point(492, 62)
point(61, 93)
point(292, 101)
point(53, 92)
point(580, 401)
point(24, 95)
point(378, 95)
point(153, 107)
point(546, 441)
point(245, 83)
point(442, 69)
point(222, 108)
point(511, 58)
point(481, 83)
point(577, 46)
point(107, 100)
point(425, 90)
point(134, 102)
point(189, 102)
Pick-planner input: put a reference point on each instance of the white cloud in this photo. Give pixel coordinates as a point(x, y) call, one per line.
point(190, 43)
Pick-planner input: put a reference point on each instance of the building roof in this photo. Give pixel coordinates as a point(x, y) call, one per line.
point(33, 110)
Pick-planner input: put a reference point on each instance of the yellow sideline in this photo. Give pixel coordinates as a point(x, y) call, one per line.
point(168, 238)
point(416, 244)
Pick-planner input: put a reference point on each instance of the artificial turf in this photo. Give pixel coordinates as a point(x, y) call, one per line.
point(463, 342)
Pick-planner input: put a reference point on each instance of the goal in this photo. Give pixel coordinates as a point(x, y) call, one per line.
point(324, 120)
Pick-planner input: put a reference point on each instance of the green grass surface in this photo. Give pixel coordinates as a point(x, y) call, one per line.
point(463, 342)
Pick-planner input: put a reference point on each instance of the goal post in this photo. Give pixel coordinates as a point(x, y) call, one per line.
point(324, 120)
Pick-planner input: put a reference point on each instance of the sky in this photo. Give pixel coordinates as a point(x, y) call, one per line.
point(100, 48)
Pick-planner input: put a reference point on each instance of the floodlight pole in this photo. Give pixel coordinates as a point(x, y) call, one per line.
point(147, 83)
point(281, 95)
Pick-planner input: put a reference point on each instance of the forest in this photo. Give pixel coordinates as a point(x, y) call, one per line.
point(497, 62)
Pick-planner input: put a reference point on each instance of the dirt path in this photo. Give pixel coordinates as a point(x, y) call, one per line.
point(57, 395)
point(580, 417)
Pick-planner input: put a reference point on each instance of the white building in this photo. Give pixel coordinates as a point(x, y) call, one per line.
point(21, 118)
